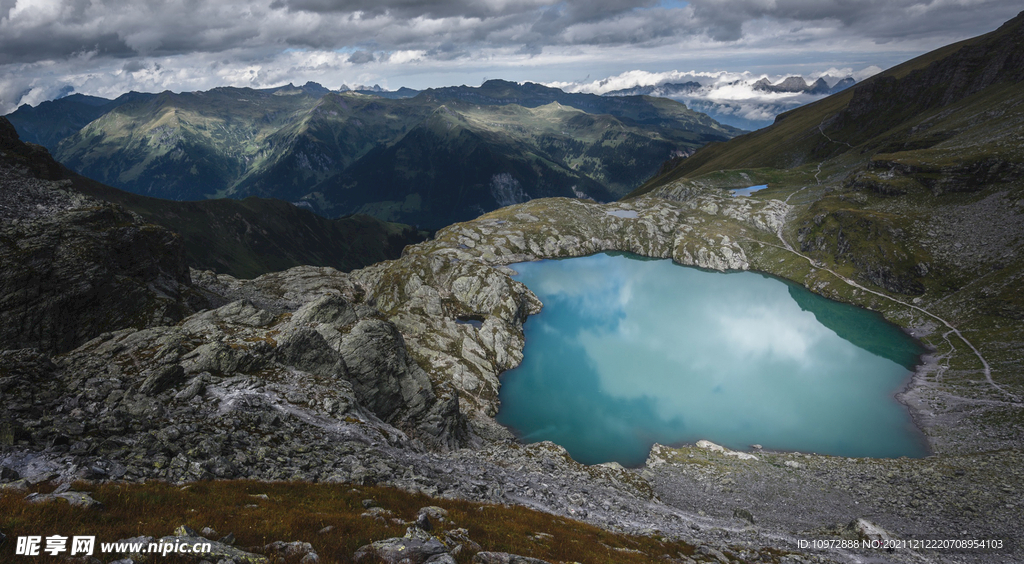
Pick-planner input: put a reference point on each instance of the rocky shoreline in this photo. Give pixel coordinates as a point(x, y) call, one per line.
point(375, 377)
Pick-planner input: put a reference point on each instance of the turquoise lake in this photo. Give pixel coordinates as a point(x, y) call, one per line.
point(748, 190)
point(630, 351)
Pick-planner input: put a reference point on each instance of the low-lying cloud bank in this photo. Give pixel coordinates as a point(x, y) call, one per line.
point(742, 99)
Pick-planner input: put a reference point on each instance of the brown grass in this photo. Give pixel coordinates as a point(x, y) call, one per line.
point(297, 511)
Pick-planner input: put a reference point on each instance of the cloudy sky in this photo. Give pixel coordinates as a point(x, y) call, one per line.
point(49, 48)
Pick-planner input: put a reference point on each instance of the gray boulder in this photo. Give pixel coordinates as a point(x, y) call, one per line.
point(306, 349)
point(411, 549)
point(163, 378)
point(385, 379)
point(331, 310)
point(218, 551)
point(75, 499)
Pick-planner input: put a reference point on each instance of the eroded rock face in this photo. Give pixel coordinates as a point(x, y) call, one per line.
point(73, 266)
point(74, 274)
point(381, 373)
point(199, 398)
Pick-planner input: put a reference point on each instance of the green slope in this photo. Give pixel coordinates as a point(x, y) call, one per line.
point(51, 121)
point(182, 146)
point(467, 159)
point(644, 110)
point(348, 152)
point(865, 118)
point(243, 238)
point(451, 168)
point(326, 139)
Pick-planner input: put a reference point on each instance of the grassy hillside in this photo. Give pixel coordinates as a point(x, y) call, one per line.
point(182, 146)
point(466, 159)
point(329, 137)
point(635, 109)
point(244, 238)
point(51, 121)
point(862, 119)
point(254, 236)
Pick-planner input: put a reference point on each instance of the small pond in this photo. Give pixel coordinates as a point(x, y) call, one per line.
point(630, 351)
point(748, 190)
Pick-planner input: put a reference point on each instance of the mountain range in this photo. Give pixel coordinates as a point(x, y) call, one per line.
point(243, 238)
point(444, 155)
point(792, 84)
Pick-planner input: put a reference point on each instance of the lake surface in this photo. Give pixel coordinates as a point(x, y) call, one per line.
point(748, 190)
point(630, 351)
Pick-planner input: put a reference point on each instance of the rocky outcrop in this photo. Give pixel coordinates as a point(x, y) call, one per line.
point(416, 547)
point(75, 267)
point(188, 397)
point(504, 558)
point(431, 292)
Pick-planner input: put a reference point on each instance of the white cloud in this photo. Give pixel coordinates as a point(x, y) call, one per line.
point(760, 334)
point(866, 72)
point(722, 93)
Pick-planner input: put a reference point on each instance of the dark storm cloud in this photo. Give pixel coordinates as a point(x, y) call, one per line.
point(447, 51)
point(880, 20)
point(361, 57)
point(122, 28)
point(411, 8)
point(118, 28)
point(576, 10)
point(133, 66)
point(48, 46)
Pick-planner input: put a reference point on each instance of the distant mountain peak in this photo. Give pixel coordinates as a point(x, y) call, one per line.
point(820, 86)
point(664, 90)
point(315, 88)
point(790, 84)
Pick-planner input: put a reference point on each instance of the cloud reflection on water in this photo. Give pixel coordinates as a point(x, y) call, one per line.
point(638, 348)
